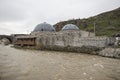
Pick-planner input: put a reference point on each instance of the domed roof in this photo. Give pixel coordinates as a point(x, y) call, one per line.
point(70, 27)
point(44, 27)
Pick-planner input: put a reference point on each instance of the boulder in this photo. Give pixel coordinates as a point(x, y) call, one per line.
point(5, 41)
point(110, 52)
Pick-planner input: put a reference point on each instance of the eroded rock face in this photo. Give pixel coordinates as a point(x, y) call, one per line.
point(5, 41)
point(110, 52)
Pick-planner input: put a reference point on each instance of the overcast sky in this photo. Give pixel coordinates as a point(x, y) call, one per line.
point(21, 16)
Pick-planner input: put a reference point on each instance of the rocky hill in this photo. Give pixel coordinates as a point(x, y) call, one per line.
point(107, 24)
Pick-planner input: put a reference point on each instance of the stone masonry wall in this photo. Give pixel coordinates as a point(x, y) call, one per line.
point(70, 39)
point(76, 41)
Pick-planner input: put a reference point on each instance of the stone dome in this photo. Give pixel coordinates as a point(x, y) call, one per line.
point(70, 27)
point(44, 27)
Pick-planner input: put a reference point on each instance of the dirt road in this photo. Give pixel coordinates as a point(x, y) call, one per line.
point(18, 64)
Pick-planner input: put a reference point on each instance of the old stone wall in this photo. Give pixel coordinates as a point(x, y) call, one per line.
point(70, 39)
point(75, 41)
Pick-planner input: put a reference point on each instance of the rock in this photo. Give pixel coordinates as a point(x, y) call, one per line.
point(5, 41)
point(110, 52)
point(84, 73)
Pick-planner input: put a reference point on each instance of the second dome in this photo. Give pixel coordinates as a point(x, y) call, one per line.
point(70, 27)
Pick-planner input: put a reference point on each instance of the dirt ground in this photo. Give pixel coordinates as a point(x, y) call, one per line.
point(21, 64)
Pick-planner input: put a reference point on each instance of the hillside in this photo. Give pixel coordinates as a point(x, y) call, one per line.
point(107, 24)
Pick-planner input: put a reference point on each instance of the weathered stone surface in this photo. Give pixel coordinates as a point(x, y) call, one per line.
point(5, 41)
point(72, 38)
point(110, 52)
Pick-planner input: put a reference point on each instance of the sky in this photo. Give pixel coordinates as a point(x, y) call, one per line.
point(21, 16)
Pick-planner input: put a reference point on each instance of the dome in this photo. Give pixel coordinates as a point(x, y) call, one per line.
point(44, 27)
point(70, 27)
